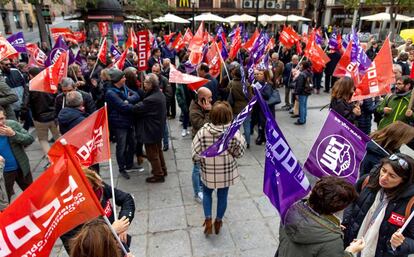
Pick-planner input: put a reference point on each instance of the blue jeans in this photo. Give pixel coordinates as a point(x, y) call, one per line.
point(246, 129)
point(196, 179)
point(165, 135)
point(125, 147)
point(303, 106)
point(221, 201)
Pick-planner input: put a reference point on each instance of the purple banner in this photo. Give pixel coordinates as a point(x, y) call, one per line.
point(59, 47)
point(72, 57)
point(284, 181)
point(17, 41)
point(357, 54)
point(223, 142)
point(115, 53)
point(243, 77)
point(333, 40)
point(259, 47)
point(338, 150)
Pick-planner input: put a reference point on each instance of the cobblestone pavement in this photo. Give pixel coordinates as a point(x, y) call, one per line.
point(168, 221)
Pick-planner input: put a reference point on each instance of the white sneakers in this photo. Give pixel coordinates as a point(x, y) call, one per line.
point(199, 197)
point(185, 132)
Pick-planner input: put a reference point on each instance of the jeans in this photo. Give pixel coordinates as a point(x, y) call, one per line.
point(186, 118)
point(196, 179)
point(246, 129)
point(221, 201)
point(303, 105)
point(165, 135)
point(125, 147)
point(317, 80)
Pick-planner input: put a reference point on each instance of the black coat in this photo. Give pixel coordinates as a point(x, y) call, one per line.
point(42, 106)
point(70, 117)
point(331, 65)
point(301, 82)
point(372, 158)
point(88, 102)
point(356, 212)
point(344, 109)
point(213, 86)
point(151, 115)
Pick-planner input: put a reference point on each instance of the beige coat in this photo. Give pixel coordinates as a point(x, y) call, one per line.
point(220, 171)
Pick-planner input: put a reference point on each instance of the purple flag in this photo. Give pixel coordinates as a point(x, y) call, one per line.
point(59, 47)
point(189, 68)
point(72, 57)
point(81, 61)
point(264, 63)
point(17, 41)
point(357, 53)
point(338, 150)
point(250, 70)
point(223, 142)
point(243, 78)
point(257, 52)
point(155, 44)
point(224, 53)
point(232, 33)
point(284, 181)
point(318, 38)
point(115, 53)
point(333, 40)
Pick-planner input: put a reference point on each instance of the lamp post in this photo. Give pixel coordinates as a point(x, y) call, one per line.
point(193, 22)
point(257, 13)
point(361, 2)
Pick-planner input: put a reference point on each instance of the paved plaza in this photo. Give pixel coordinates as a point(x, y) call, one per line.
point(168, 221)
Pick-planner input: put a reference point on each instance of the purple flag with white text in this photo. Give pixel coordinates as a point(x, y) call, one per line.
point(338, 150)
point(59, 47)
point(115, 53)
point(284, 181)
point(223, 142)
point(17, 41)
point(358, 54)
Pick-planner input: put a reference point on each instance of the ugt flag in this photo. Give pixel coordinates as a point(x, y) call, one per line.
point(338, 150)
point(223, 142)
point(59, 48)
point(59, 200)
point(88, 139)
point(17, 41)
point(284, 181)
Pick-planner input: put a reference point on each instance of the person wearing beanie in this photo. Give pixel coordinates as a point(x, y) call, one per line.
point(120, 102)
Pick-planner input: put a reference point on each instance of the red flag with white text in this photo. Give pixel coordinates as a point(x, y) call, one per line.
point(65, 32)
point(80, 36)
point(89, 140)
point(196, 46)
point(36, 56)
point(103, 28)
point(193, 82)
point(132, 40)
point(379, 76)
point(48, 79)
point(249, 43)
point(178, 43)
point(235, 44)
point(56, 202)
point(347, 68)
point(288, 37)
point(213, 60)
point(316, 55)
point(168, 37)
point(143, 49)
point(103, 51)
point(187, 37)
point(6, 49)
point(121, 61)
point(270, 45)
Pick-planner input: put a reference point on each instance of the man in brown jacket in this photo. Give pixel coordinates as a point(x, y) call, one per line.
point(277, 69)
point(199, 115)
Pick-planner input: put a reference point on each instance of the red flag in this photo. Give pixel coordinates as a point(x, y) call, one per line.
point(103, 28)
point(271, 44)
point(103, 51)
point(65, 32)
point(36, 56)
point(207, 38)
point(412, 72)
point(132, 40)
point(6, 49)
point(235, 44)
point(178, 43)
point(316, 55)
point(249, 44)
point(56, 202)
point(347, 68)
point(121, 61)
point(143, 49)
point(47, 81)
point(89, 140)
point(196, 43)
point(379, 76)
point(187, 37)
point(193, 82)
point(288, 37)
point(298, 48)
point(167, 38)
point(213, 60)
point(80, 36)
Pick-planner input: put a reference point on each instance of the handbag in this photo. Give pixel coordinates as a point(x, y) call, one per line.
point(274, 97)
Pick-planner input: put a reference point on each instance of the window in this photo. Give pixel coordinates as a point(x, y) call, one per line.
point(16, 18)
point(228, 4)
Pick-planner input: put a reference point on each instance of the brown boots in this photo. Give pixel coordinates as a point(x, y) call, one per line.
point(208, 230)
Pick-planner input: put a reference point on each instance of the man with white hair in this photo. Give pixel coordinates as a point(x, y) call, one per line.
point(277, 69)
point(73, 113)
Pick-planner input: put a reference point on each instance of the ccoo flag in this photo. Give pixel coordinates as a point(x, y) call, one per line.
point(338, 150)
point(193, 82)
point(59, 200)
point(284, 181)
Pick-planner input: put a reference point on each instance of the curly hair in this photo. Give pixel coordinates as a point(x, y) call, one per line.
point(331, 194)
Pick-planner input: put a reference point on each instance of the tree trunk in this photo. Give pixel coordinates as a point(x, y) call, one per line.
point(44, 35)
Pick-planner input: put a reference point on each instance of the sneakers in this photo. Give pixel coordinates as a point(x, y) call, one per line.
point(124, 174)
point(134, 168)
point(184, 133)
point(199, 197)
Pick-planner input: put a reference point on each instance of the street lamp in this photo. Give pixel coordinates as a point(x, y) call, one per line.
point(193, 23)
point(257, 13)
point(361, 2)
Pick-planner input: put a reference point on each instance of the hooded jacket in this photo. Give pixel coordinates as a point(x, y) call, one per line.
point(219, 171)
point(399, 104)
point(308, 234)
point(70, 117)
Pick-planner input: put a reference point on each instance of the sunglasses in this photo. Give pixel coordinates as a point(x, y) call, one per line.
point(401, 161)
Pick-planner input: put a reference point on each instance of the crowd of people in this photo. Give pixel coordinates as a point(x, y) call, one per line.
point(140, 103)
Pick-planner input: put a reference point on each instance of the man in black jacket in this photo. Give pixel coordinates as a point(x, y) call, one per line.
point(68, 85)
point(334, 57)
point(203, 71)
point(42, 106)
point(73, 113)
point(152, 113)
point(303, 89)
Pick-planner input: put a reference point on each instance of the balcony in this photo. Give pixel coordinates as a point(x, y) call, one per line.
point(205, 4)
point(228, 4)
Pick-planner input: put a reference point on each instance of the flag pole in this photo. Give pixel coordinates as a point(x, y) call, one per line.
point(115, 235)
point(407, 222)
point(110, 165)
point(221, 59)
point(97, 59)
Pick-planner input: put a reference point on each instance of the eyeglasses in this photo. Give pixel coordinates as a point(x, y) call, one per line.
point(401, 161)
